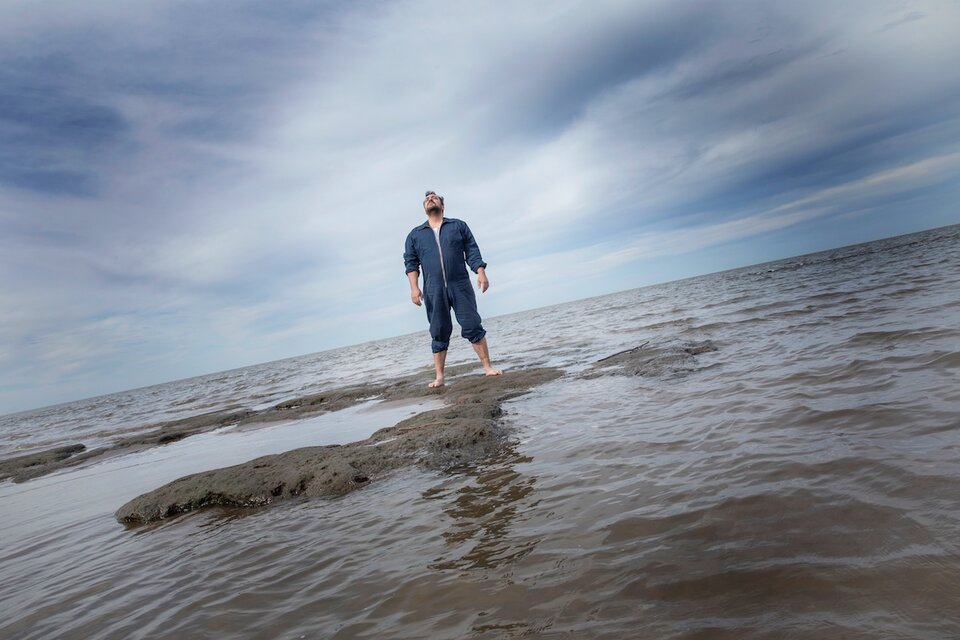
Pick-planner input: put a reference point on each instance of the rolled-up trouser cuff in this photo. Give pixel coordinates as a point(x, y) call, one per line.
point(475, 336)
point(459, 295)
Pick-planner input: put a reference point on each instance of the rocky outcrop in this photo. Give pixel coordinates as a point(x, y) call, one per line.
point(25, 467)
point(32, 465)
point(464, 431)
point(664, 362)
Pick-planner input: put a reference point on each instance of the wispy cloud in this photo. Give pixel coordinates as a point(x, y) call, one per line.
point(200, 186)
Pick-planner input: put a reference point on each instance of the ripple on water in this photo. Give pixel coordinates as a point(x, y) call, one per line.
point(800, 482)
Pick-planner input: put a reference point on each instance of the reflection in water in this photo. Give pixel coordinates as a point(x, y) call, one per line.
point(803, 482)
point(483, 511)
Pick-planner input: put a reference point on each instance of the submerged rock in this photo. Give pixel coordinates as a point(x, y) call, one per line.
point(31, 465)
point(666, 361)
point(462, 432)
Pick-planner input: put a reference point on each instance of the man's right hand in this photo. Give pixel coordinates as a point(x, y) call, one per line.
point(416, 297)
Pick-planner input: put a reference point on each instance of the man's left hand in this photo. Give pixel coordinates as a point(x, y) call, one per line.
point(482, 283)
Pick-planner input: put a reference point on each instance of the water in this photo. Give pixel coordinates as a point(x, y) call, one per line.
point(802, 481)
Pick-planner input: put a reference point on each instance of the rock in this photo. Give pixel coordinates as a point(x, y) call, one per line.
point(666, 361)
point(170, 431)
point(34, 464)
point(460, 433)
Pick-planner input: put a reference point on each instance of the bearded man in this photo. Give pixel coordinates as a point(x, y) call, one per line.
point(443, 248)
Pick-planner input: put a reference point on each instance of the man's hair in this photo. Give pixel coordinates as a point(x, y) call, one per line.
point(433, 193)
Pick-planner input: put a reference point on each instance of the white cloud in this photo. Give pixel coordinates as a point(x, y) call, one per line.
point(265, 216)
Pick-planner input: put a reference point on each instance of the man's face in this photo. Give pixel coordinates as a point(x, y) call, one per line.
point(432, 204)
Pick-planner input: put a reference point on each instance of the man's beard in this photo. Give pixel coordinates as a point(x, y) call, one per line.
point(434, 209)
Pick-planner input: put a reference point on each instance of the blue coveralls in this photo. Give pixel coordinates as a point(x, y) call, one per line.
point(447, 285)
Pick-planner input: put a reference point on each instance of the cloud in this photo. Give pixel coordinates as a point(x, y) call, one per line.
point(910, 17)
point(201, 186)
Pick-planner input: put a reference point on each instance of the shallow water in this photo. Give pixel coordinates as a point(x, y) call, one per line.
point(802, 481)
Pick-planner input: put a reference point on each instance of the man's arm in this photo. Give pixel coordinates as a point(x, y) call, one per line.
point(482, 281)
point(471, 252)
point(415, 295)
point(411, 261)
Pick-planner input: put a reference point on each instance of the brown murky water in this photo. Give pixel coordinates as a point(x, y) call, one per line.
point(802, 481)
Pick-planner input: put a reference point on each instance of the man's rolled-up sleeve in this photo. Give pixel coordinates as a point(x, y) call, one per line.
point(410, 258)
point(470, 249)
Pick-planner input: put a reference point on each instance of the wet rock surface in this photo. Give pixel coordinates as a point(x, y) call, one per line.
point(25, 467)
point(644, 360)
point(31, 465)
point(459, 433)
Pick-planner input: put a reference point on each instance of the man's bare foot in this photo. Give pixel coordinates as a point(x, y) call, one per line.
point(480, 346)
point(436, 383)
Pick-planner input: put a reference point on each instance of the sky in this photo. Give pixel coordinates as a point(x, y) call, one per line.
point(188, 187)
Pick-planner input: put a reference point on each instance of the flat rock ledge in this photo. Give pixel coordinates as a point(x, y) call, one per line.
point(664, 362)
point(28, 466)
point(462, 432)
point(32, 465)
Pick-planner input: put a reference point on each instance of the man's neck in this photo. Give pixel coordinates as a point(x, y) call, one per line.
point(435, 220)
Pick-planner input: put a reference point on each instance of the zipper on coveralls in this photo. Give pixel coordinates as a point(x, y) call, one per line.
point(443, 270)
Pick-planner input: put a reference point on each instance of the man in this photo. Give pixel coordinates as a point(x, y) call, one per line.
point(441, 246)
